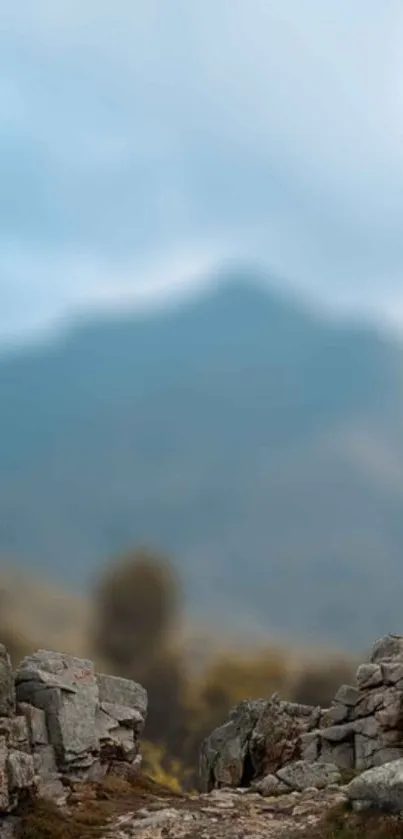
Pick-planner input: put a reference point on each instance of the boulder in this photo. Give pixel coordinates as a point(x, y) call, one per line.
point(380, 787)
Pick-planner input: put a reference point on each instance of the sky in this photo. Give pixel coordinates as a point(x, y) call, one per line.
point(145, 142)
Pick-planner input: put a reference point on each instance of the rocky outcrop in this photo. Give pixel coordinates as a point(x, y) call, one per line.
point(270, 743)
point(380, 788)
point(60, 722)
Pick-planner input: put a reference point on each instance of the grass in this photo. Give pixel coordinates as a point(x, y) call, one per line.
point(342, 823)
point(94, 805)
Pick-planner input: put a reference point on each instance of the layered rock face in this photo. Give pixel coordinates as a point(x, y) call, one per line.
point(61, 722)
point(277, 746)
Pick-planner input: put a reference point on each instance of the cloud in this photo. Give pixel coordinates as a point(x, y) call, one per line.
point(132, 130)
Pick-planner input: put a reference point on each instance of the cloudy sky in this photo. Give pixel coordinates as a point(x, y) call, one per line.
point(142, 142)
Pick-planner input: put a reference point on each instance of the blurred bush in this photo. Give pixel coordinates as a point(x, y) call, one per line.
point(319, 682)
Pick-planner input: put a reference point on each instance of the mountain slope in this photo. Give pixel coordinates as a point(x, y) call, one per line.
point(262, 447)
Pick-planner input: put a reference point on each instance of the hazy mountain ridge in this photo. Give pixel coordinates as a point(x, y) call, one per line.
point(248, 438)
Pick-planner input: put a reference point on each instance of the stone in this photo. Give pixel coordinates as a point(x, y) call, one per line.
point(20, 771)
point(387, 756)
point(392, 672)
point(338, 714)
point(44, 760)
point(301, 774)
point(337, 733)
point(386, 648)
point(4, 790)
point(276, 737)
point(123, 715)
point(381, 787)
point(270, 785)
point(340, 754)
point(347, 695)
point(369, 727)
point(36, 722)
point(310, 746)
point(7, 688)
point(369, 703)
point(369, 676)
point(66, 688)
point(116, 691)
point(224, 753)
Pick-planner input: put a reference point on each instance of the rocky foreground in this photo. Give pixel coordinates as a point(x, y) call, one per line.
point(70, 762)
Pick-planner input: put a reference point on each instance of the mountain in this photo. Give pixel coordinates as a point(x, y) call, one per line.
point(258, 444)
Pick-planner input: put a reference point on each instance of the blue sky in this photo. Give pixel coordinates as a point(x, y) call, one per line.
point(142, 142)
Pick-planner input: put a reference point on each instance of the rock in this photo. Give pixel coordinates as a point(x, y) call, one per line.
point(380, 787)
point(20, 771)
point(4, 791)
point(369, 676)
point(337, 733)
point(340, 754)
point(338, 714)
point(7, 688)
point(387, 648)
point(347, 695)
point(392, 672)
point(270, 785)
point(36, 721)
point(301, 774)
point(276, 737)
point(310, 746)
point(122, 692)
point(65, 688)
point(224, 754)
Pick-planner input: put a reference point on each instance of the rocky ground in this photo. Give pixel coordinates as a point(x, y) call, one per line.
point(142, 810)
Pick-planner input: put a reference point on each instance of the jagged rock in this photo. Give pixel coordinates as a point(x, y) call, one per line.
point(7, 688)
point(369, 676)
point(123, 692)
point(387, 648)
point(347, 695)
point(20, 771)
point(380, 787)
point(276, 737)
point(270, 785)
point(302, 775)
point(65, 688)
point(224, 757)
point(36, 721)
point(4, 790)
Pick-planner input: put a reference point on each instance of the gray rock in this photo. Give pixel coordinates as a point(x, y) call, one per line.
point(70, 706)
point(369, 727)
point(4, 790)
point(20, 771)
point(301, 774)
point(386, 648)
point(310, 744)
point(44, 760)
point(130, 717)
point(369, 676)
point(392, 672)
point(123, 692)
point(347, 695)
point(340, 754)
point(223, 753)
point(387, 756)
point(36, 721)
point(7, 688)
point(270, 785)
point(338, 714)
point(337, 733)
point(381, 787)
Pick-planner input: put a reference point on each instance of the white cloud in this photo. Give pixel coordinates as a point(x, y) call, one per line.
point(130, 127)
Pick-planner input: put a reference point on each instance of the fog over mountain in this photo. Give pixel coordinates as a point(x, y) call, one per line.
point(255, 442)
